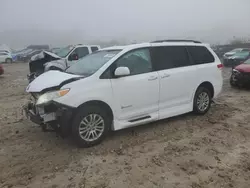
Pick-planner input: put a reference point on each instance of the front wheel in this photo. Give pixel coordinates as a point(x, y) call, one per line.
point(233, 81)
point(202, 100)
point(90, 126)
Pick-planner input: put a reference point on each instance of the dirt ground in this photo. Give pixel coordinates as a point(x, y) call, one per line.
point(211, 151)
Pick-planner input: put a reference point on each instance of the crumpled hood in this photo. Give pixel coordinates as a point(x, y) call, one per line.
point(60, 63)
point(42, 55)
point(50, 79)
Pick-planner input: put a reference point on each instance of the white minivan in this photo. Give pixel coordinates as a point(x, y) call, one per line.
point(123, 86)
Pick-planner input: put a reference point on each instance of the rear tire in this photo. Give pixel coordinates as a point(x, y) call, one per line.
point(202, 100)
point(90, 126)
point(8, 60)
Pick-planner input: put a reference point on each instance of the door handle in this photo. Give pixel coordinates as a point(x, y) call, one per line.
point(165, 76)
point(152, 78)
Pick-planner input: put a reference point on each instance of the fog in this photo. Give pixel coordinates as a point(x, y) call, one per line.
point(60, 22)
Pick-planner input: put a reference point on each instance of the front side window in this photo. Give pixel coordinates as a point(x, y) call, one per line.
point(168, 57)
point(138, 61)
point(94, 48)
point(81, 52)
point(91, 63)
point(200, 55)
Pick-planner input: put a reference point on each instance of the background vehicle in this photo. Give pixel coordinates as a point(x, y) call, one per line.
point(5, 57)
point(63, 59)
point(241, 75)
point(27, 56)
point(236, 59)
point(234, 51)
point(1, 69)
point(119, 87)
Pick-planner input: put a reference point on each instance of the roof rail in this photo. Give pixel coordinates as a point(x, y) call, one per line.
point(175, 40)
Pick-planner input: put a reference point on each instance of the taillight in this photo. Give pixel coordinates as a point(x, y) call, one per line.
point(220, 66)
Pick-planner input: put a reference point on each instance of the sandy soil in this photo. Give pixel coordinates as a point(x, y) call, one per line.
point(211, 151)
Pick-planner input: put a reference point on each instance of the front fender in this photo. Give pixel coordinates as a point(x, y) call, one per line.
point(85, 90)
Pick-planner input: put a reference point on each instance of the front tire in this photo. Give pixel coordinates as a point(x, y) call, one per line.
point(232, 82)
point(90, 126)
point(202, 100)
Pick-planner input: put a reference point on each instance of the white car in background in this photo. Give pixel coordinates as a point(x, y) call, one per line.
point(5, 56)
point(123, 86)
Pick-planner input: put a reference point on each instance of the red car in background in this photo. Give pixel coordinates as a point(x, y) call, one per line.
point(241, 75)
point(1, 69)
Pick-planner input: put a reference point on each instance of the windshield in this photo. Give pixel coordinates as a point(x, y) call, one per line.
point(89, 64)
point(63, 52)
point(241, 54)
point(247, 61)
point(236, 50)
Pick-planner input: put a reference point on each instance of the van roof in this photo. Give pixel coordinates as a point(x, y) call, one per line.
point(157, 43)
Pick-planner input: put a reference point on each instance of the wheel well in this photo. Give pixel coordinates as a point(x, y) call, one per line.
point(102, 104)
point(209, 86)
point(54, 68)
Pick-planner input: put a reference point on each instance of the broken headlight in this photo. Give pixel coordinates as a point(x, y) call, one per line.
point(47, 97)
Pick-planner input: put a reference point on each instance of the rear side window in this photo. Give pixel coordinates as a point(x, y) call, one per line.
point(200, 55)
point(94, 48)
point(167, 57)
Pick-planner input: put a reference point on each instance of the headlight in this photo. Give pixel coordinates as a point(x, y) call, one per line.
point(51, 95)
point(234, 70)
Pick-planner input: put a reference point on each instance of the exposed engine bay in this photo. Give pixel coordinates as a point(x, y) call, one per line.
point(37, 63)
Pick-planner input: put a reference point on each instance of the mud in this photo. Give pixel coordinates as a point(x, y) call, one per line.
point(211, 151)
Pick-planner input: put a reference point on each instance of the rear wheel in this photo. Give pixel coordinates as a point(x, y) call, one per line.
point(202, 100)
point(90, 126)
point(8, 60)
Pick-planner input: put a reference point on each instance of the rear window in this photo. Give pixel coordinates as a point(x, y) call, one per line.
point(200, 55)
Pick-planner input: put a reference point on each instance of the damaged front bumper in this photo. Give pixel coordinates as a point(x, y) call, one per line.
point(51, 116)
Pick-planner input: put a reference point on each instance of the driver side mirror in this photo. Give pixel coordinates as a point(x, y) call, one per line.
point(73, 57)
point(122, 71)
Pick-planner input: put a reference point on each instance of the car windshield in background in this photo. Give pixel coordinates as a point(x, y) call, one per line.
point(63, 52)
point(241, 54)
point(247, 61)
point(237, 50)
point(92, 63)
